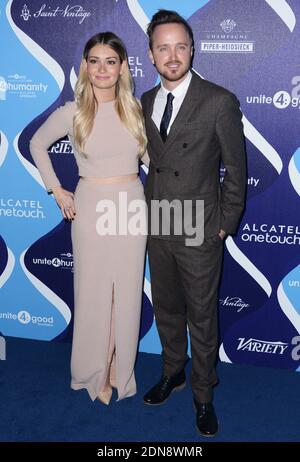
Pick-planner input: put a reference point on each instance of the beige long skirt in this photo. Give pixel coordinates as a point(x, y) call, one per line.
point(107, 268)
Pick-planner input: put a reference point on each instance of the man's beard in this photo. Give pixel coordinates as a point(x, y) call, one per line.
point(175, 75)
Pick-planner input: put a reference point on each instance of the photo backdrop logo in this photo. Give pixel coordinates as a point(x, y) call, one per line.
point(281, 99)
point(64, 261)
point(262, 346)
point(136, 66)
point(271, 233)
point(25, 14)
point(3, 88)
point(228, 25)
point(228, 40)
point(24, 317)
point(62, 146)
point(21, 208)
point(235, 303)
point(20, 85)
point(48, 11)
point(251, 181)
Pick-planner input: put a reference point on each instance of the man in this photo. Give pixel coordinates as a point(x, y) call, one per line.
point(192, 125)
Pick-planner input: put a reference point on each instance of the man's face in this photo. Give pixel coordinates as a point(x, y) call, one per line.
point(171, 53)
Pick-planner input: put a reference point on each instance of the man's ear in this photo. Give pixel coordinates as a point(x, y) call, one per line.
point(150, 54)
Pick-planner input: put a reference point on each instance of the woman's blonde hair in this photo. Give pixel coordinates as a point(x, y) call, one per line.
point(127, 106)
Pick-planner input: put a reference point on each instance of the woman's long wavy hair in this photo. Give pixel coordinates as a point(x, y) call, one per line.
point(127, 106)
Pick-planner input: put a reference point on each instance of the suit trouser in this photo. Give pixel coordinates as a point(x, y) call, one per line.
point(184, 285)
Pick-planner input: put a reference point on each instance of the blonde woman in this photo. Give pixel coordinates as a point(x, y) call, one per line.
point(105, 126)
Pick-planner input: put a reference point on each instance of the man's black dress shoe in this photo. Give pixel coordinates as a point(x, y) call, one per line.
point(206, 419)
point(162, 390)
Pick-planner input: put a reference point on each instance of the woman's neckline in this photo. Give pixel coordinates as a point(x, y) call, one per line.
point(106, 102)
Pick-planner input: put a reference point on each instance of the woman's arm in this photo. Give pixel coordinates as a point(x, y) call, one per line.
point(58, 124)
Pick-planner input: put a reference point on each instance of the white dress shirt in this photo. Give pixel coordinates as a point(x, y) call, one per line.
point(161, 100)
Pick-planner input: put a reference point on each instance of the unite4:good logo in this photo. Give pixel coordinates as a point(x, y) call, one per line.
point(25, 318)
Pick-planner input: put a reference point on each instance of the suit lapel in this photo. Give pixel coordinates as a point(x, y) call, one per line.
point(152, 128)
point(190, 101)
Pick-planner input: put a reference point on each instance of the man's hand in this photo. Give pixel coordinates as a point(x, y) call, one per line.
point(222, 234)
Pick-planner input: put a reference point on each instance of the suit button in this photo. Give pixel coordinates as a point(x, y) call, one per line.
point(157, 170)
point(176, 173)
point(184, 145)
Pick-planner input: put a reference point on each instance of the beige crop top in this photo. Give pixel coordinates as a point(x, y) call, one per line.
point(110, 149)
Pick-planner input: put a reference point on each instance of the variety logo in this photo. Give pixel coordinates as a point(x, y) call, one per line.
point(20, 85)
point(251, 180)
point(262, 346)
point(61, 147)
point(64, 262)
point(21, 208)
point(234, 302)
point(271, 234)
point(46, 11)
point(228, 40)
point(24, 317)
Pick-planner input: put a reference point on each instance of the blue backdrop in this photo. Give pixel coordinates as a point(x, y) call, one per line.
point(249, 46)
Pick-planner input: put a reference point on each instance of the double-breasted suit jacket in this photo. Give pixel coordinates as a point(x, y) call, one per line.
point(206, 131)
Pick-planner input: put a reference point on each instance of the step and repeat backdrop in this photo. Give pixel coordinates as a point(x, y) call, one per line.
point(251, 47)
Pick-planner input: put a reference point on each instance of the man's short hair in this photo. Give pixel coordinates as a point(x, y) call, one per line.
point(167, 17)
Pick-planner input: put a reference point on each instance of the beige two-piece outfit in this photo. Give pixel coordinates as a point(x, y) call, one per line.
point(105, 266)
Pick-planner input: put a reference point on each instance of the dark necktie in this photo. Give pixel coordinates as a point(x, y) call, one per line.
point(166, 117)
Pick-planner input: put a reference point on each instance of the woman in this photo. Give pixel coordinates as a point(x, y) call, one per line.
point(105, 126)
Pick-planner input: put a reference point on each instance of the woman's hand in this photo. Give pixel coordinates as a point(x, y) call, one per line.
point(65, 201)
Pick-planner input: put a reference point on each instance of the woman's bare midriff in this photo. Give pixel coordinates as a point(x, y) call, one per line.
point(111, 179)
